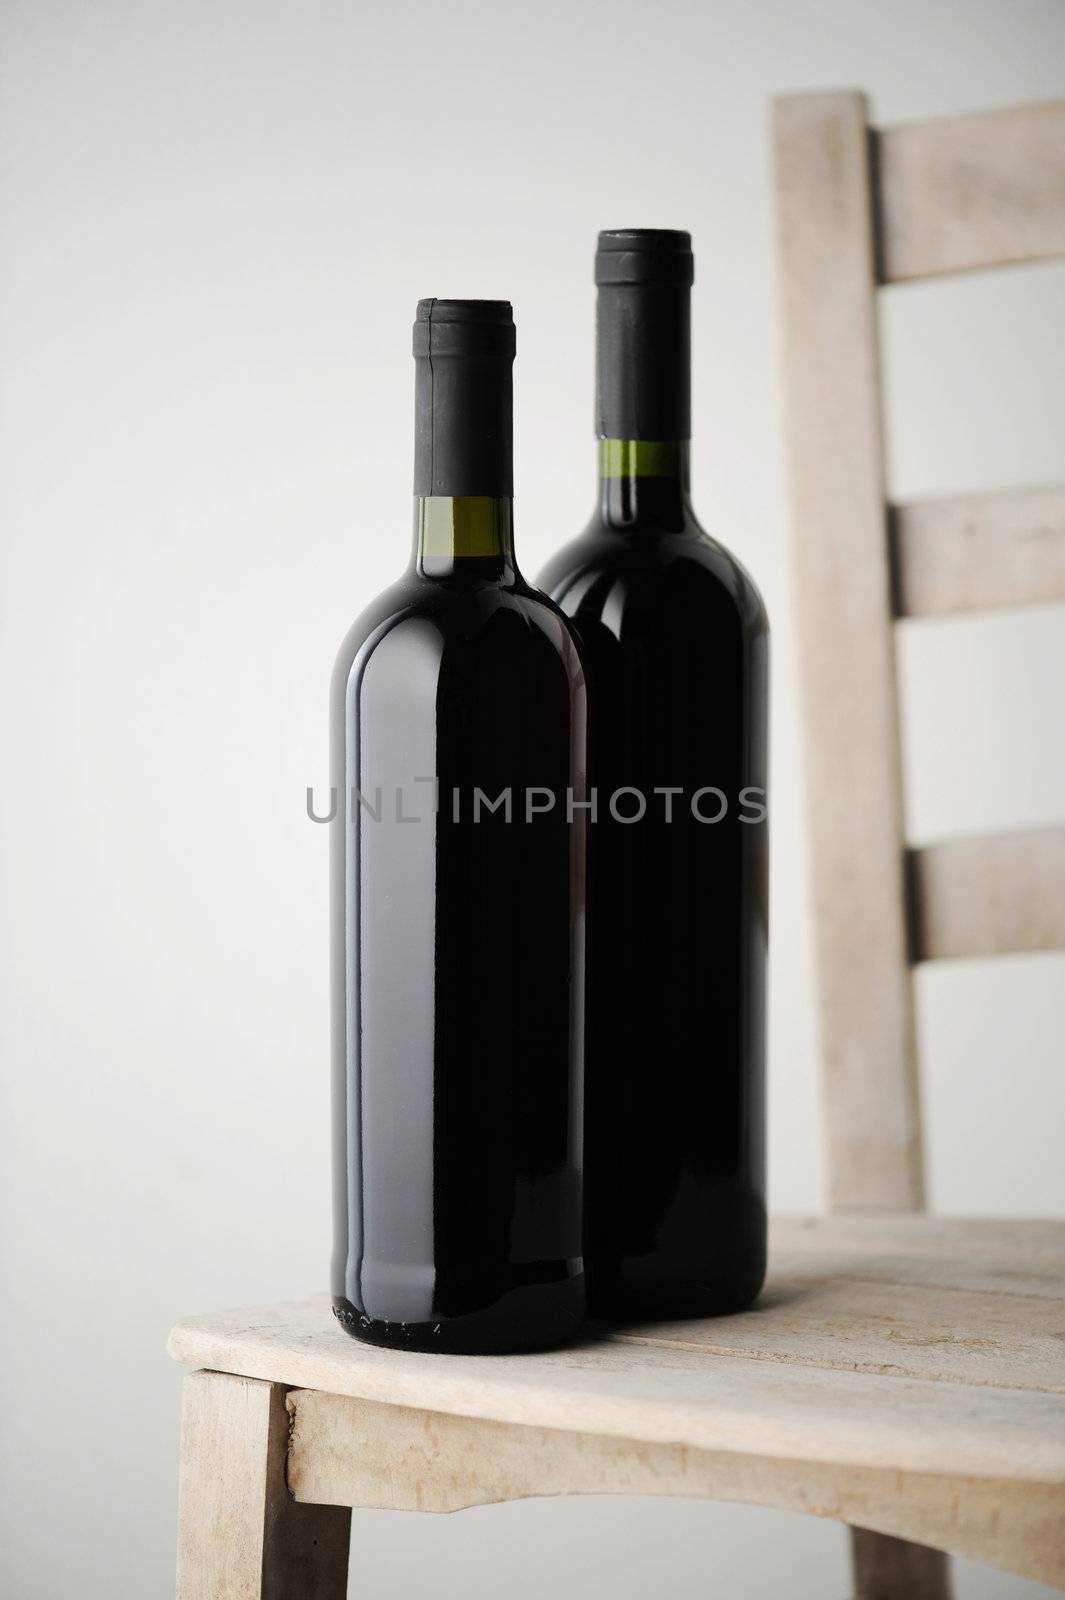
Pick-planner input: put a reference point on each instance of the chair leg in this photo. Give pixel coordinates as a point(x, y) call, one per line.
point(240, 1533)
point(894, 1569)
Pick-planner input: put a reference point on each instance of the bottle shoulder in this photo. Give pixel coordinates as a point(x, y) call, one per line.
point(392, 607)
point(650, 567)
point(449, 618)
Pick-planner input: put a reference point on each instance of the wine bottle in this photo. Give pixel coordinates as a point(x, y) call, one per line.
point(458, 751)
point(675, 641)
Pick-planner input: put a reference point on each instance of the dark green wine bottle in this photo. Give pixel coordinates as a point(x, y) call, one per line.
point(458, 739)
point(675, 639)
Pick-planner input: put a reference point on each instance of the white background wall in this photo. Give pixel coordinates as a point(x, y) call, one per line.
point(217, 217)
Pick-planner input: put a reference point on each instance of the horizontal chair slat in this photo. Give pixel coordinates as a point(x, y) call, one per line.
point(348, 1452)
point(971, 192)
point(971, 552)
point(999, 895)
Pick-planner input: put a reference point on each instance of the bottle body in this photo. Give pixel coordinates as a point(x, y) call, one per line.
point(676, 646)
point(458, 949)
point(675, 638)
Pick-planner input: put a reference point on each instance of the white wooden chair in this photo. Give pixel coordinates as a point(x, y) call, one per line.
point(902, 1374)
point(858, 209)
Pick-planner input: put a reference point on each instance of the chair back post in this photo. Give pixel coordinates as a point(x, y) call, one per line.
point(832, 406)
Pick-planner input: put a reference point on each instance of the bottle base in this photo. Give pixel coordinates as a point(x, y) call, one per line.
point(635, 1294)
point(531, 1317)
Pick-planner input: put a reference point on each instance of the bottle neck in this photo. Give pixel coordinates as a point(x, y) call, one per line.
point(463, 454)
point(644, 481)
point(464, 535)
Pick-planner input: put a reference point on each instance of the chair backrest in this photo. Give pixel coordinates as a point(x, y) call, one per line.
point(858, 209)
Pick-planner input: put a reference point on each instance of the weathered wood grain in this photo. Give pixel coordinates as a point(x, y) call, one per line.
point(831, 376)
point(241, 1534)
point(991, 896)
point(852, 1325)
point(979, 551)
point(970, 192)
point(1003, 1255)
point(353, 1452)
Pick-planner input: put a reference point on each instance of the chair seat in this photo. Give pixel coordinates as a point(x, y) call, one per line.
point(901, 1373)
